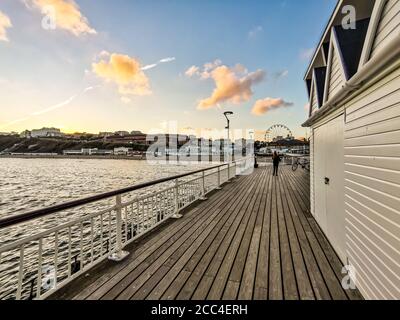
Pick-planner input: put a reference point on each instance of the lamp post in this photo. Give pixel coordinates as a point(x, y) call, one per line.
point(226, 114)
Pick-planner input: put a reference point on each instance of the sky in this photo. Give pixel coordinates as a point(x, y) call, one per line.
point(91, 66)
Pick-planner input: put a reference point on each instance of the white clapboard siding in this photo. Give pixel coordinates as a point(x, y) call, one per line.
point(335, 76)
point(312, 173)
point(372, 187)
point(314, 100)
point(388, 27)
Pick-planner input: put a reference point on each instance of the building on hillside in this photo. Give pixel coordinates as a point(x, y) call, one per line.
point(9, 133)
point(128, 139)
point(353, 83)
point(88, 152)
point(121, 133)
point(72, 152)
point(167, 139)
point(26, 134)
point(122, 151)
point(46, 132)
point(105, 134)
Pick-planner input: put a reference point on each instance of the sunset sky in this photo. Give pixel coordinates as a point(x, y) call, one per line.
point(133, 65)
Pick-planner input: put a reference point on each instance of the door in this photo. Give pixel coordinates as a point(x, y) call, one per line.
point(319, 176)
point(329, 183)
point(335, 188)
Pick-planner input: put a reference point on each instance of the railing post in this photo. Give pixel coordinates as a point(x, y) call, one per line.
point(176, 214)
point(203, 187)
point(229, 173)
point(233, 166)
point(120, 254)
point(219, 179)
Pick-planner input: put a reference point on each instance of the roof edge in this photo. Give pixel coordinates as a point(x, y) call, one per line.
point(326, 30)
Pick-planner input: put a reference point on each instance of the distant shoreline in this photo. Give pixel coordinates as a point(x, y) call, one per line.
point(33, 156)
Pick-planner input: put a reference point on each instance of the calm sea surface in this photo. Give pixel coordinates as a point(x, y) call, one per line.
point(29, 184)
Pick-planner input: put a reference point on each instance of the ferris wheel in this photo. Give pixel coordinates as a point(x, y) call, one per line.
point(278, 131)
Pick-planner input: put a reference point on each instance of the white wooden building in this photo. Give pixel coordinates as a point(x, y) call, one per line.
point(353, 83)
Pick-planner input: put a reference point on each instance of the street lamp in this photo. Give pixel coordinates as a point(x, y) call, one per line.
point(226, 114)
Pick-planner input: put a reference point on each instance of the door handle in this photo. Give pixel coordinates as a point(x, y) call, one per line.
point(327, 180)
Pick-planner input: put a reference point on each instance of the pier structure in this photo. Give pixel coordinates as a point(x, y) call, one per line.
point(197, 237)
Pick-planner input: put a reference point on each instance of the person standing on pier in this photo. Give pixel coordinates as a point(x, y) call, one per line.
point(275, 160)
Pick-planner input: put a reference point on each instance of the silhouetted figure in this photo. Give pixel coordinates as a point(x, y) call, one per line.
point(275, 160)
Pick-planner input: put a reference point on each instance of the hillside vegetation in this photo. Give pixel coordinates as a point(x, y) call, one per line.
point(16, 144)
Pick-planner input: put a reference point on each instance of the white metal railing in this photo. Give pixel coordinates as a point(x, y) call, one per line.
point(37, 265)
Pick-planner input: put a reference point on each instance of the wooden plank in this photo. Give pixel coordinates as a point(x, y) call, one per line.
point(317, 281)
point(275, 289)
point(202, 289)
point(303, 281)
point(232, 287)
point(246, 290)
point(99, 275)
point(332, 258)
point(261, 281)
point(191, 259)
point(331, 281)
point(217, 290)
point(215, 264)
point(234, 265)
point(256, 239)
point(153, 246)
point(288, 274)
point(201, 266)
point(146, 261)
point(127, 288)
point(166, 244)
point(242, 254)
point(170, 294)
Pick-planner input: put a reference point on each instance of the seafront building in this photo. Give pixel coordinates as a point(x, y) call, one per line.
point(353, 83)
point(42, 133)
point(46, 132)
point(88, 152)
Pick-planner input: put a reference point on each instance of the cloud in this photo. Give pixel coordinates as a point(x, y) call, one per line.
point(51, 108)
point(103, 54)
point(232, 85)
point(193, 70)
point(169, 59)
point(255, 31)
point(63, 103)
point(151, 66)
point(281, 74)
point(125, 72)
point(66, 14)
point(307, 54)
point(5, 23)
point(263, 106)
point(205, 72)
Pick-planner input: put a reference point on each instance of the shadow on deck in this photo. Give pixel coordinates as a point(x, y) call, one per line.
point(255, 239)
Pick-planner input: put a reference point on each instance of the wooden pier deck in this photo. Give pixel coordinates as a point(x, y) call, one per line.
point(255, 239)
